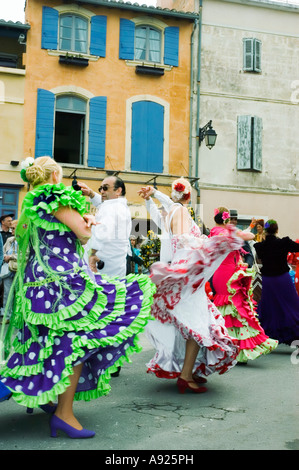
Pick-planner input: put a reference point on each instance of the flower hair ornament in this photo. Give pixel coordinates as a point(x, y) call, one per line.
point(180, 189)
point(270, 222)
point(24, 165)
point(225, 214)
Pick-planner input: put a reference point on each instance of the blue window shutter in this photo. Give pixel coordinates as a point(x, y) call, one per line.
point(126, 39)
point(50, 28)
point(98, 35)
point(171, 46)
point(97, 131)
point(44, 123)
point(147, 137)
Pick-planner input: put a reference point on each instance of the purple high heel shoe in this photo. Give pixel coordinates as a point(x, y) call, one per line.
point(5, 393)
point(50, 409)
point(56, 424)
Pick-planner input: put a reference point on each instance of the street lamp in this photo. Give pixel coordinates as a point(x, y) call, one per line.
point(207, 132)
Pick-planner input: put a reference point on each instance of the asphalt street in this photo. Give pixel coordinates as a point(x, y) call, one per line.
point(252, 407)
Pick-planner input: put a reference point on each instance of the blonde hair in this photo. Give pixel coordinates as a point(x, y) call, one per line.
point(222, 209)
point(14, 223)
point(181, 189)
point(41, 170)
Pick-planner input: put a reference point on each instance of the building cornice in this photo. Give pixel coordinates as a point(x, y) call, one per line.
point(248, 189)
point(150, 10)
point(289, 7)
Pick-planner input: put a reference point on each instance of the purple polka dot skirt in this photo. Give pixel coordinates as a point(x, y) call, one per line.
point(64, 315)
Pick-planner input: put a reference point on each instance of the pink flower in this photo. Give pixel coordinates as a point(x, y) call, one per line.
point(225, 215)
point(216, 211)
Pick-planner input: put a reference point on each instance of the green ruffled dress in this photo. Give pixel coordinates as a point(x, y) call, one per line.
point(63, 314)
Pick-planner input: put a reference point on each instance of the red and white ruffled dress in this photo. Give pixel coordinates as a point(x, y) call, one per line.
point(183, 310)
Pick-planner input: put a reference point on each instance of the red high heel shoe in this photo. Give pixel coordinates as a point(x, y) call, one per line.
point(183, 385)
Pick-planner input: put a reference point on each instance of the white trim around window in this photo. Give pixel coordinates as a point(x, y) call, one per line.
point(160, 26)
point(80, 93)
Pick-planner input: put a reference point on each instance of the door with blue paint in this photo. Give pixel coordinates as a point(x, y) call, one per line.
point(147, 137)
point(9, 199)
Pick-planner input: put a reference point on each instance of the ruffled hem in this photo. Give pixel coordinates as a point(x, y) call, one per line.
point(194, 259)
point(221, 299)
point(217, 352)
point(257, 350)
point(181, 287)
point(238, 311)
point(89, 320)
point(80, 346)
point(210, 361)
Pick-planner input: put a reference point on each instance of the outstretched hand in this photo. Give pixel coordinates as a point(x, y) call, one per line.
point(90, 219)
point(86, 191)
point(146, 191)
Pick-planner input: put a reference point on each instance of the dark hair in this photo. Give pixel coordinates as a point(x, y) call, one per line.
point(118, 183)
point(260, 222)
point(218, 218)
point(271, 227)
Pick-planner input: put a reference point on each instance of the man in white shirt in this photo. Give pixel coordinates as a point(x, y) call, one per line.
point(110, 238)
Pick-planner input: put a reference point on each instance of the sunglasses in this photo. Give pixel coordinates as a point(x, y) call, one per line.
point(105, 187)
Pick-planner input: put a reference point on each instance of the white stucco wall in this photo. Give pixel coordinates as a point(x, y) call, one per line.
point(226, 92)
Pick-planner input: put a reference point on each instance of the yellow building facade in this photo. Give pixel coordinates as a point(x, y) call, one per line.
point(108, 90)
point(12, 90)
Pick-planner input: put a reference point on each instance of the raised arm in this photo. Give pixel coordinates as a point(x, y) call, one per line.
point(154, 211)
point(96, 199)
point(246, 236)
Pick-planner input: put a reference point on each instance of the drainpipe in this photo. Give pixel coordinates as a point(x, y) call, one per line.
point(198, 96)
point(191, 98)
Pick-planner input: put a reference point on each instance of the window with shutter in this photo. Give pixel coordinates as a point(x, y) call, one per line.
point(69, 129)
point(66, 139)
point(249, 143)
point(252, 55)
point(73, 31)
point(148, 43)
point(69, 32)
